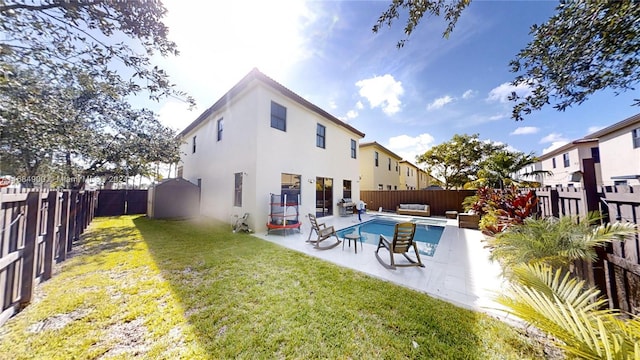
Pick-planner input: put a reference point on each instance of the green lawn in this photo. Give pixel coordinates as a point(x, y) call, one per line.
point(141, 288)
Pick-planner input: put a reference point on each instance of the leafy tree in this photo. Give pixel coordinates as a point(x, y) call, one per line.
point(498, 168)
point(63, 109)
point(96, 37)
point(585, 47)
point(457, 161)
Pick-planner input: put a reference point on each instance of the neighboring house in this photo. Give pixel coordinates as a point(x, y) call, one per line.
point(408, 176)
point(529, 173)
point(619, 152)
point(379, 167)
point(424, 179)
point(261, 138)
point(568, 163)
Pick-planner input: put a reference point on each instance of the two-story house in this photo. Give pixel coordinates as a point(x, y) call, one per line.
point(379, 167)
point(619, 153)
point(261, 138)
point(568, 163)
point(408, 176)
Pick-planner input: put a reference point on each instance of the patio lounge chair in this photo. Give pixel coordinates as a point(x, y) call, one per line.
point(324, 232)
point(401, 244)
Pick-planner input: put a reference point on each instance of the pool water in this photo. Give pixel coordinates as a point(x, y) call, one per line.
point(427, 234)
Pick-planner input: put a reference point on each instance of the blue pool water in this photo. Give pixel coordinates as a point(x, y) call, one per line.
point(427, 235)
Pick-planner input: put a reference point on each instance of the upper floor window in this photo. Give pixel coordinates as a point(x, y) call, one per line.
point(397, 168)
point(635, 134)
point(407, 171)
point(353, 149)
point(375, 158)
point(193, 145)
point(320, 136)
point(595, 154)
point(553, 162)
point(278, 116)
point(220, 126)
point(565, 159)
point(389, 166)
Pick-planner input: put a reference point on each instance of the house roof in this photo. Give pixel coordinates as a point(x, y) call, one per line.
point(635, 119)
point(255, 74)
point(565, 148)
point(375, 144)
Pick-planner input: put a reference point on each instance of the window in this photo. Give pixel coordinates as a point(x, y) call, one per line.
point(553, 162)
point(635, 134)
point(193, 145)
point(290, 185)
point(375, 158)
point(380, 187)
point(320, 136)
point(407, 171)
point(620, 183)
point(237, 195)
point(353, 149)
point(220, 126)
point(565, 159)
point(397, 168)
point(389, 166)
point(388, 187)
point(346, 189)
point(278, 116)
point(595, 154)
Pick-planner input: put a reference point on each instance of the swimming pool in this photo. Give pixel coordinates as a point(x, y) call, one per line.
point(427, 236)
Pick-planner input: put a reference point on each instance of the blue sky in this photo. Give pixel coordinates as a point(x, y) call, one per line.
point(406, 99)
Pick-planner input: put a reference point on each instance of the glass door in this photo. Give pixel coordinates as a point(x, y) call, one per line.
point(324, 196)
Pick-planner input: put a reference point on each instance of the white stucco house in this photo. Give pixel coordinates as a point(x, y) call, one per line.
point(619, 152)
point(379, 167)
point(261, 138)
point(568, 163)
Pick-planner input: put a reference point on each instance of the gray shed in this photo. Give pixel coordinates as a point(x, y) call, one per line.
point(173, 198)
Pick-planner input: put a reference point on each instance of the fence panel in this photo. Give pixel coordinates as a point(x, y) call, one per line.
point(136, 202)
point(35, 232)
point(121, 202)
point(622, 262)
point(439, 201)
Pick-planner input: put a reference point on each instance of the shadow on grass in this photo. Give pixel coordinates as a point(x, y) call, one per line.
point(97, 245)
point(249, 298)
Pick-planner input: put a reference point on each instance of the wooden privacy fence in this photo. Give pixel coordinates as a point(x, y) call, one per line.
point(121, 202)
point(37, 228)
point(617, 270)
point(439, 201)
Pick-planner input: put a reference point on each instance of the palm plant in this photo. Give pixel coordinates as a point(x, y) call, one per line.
point(555, 242)
point(563, 307)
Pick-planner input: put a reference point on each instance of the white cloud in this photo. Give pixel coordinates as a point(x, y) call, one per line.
point(553, 137)
point(176, 115)
point(469, 94)
point(352, 114)
point(410, 146)
point(359, 105)
point(503, 91)
point(525, 130)
point(554, 145)
point(593, 129)
point(440, 102)
point(382, 91)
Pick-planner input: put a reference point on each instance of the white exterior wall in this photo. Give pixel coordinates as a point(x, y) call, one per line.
point(561, 175)
point(251, 146)
point(618, 157)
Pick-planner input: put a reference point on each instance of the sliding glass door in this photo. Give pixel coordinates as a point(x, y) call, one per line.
point(324, 196)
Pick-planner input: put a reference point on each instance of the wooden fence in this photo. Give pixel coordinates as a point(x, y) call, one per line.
point(439, 201)
point(617, 269)
point(37, 228)
point(121, 202)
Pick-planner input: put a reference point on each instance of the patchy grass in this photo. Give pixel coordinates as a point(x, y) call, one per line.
point(140, 288)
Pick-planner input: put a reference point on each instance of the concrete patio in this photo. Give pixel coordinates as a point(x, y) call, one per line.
point(459, 272)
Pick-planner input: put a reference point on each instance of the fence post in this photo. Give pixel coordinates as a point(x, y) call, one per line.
point(29, 254)
point(51, 230)
point(554, 201)
point(64, 227)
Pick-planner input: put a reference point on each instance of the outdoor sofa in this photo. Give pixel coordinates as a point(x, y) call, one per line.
point(413, 209)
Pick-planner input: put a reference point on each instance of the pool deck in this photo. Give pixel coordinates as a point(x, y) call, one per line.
point(459, 272)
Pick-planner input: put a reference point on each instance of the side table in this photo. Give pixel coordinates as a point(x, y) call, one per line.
point(355, 237)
